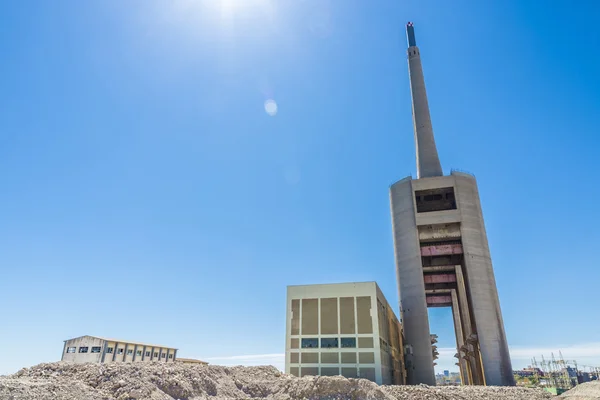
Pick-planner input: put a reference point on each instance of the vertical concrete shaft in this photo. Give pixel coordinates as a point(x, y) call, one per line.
point(482, 289)
point(428, 162)
point(411, 286)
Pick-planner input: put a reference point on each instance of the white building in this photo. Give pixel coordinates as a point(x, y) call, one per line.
point(92, 349)
point(346, 329)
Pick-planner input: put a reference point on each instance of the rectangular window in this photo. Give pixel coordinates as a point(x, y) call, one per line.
point(170, 355)
point(349, 342)
point(439, 199)
point(109, 350)
point(155, 354)
point(329, 343)
point(83, 349)
point(119, 351)
point(129, 352)
point(71, 349)
point(96, 349)
point(147, 354)
point(310, 343)
point(138, 353)
point(164, 355)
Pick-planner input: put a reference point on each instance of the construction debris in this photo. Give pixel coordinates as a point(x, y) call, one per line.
point(584, 391)
point(170, 381)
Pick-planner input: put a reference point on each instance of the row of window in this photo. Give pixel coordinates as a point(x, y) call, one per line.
point(95, 349)
point(328, 343)
point(109, 350)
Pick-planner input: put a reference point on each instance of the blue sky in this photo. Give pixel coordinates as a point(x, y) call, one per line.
point(147, 195)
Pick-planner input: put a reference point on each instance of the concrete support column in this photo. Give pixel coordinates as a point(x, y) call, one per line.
point(474, 361)
point(104, 348)
point(411, 285)
point(460, 340)
point(483, 293)
point(114, 356)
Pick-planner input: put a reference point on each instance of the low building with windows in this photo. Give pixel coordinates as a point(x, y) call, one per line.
point(346, 329)
point(93, 349)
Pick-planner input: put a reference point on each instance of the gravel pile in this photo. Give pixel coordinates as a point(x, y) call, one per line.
point(585, 391)
point(159, 381)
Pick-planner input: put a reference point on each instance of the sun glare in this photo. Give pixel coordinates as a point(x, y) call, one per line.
point(230, 7)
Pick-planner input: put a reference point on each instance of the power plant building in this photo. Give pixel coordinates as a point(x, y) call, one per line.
point(346, 329)
point(443, 259)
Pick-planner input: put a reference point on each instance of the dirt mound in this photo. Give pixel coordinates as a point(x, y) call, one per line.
point(159, 381)
point(585, 391)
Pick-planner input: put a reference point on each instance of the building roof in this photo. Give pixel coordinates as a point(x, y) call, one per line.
point(124, 341)
point(333, 284)
point(190, 360)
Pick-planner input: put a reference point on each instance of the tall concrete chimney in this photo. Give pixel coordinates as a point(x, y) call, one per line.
point(428, 162)
point(443, 259)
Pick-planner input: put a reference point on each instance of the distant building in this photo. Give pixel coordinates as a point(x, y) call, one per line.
point(446, 373)
point(93, 349)
point(524, 373)
point(190, 361)
point(346, 329)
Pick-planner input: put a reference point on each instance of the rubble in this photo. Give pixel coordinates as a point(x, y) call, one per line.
point(585, 391)
point(171, 381)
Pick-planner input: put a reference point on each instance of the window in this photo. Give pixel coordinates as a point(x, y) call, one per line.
point(96, 349)
point(348, 342)
point(329, 343)
point(138, 353)
point(147, 354)
point(155, 354)
point(109, 350)
point(129, 352)
point(439, 199)
point(164, 355)
point(310, 343)
point(83, 349)
point(170, 355)
point(119, 351)
point(71, 349)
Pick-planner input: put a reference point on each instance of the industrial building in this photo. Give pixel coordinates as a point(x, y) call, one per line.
point(346, 329)
point(92, 349)
point(443, 258)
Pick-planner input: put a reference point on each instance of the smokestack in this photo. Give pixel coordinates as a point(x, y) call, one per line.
point(428, 162)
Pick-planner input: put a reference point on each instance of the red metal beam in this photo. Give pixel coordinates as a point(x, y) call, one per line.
point(439, 300)
point(440, 278)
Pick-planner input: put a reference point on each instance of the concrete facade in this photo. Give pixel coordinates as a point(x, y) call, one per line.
point(443, 259)
point(345, 329)
point(92, 349)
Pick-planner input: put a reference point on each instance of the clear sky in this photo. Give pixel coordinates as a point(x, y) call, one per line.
point(148, 195)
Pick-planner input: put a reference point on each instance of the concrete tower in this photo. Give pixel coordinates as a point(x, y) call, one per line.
point(443, 259)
